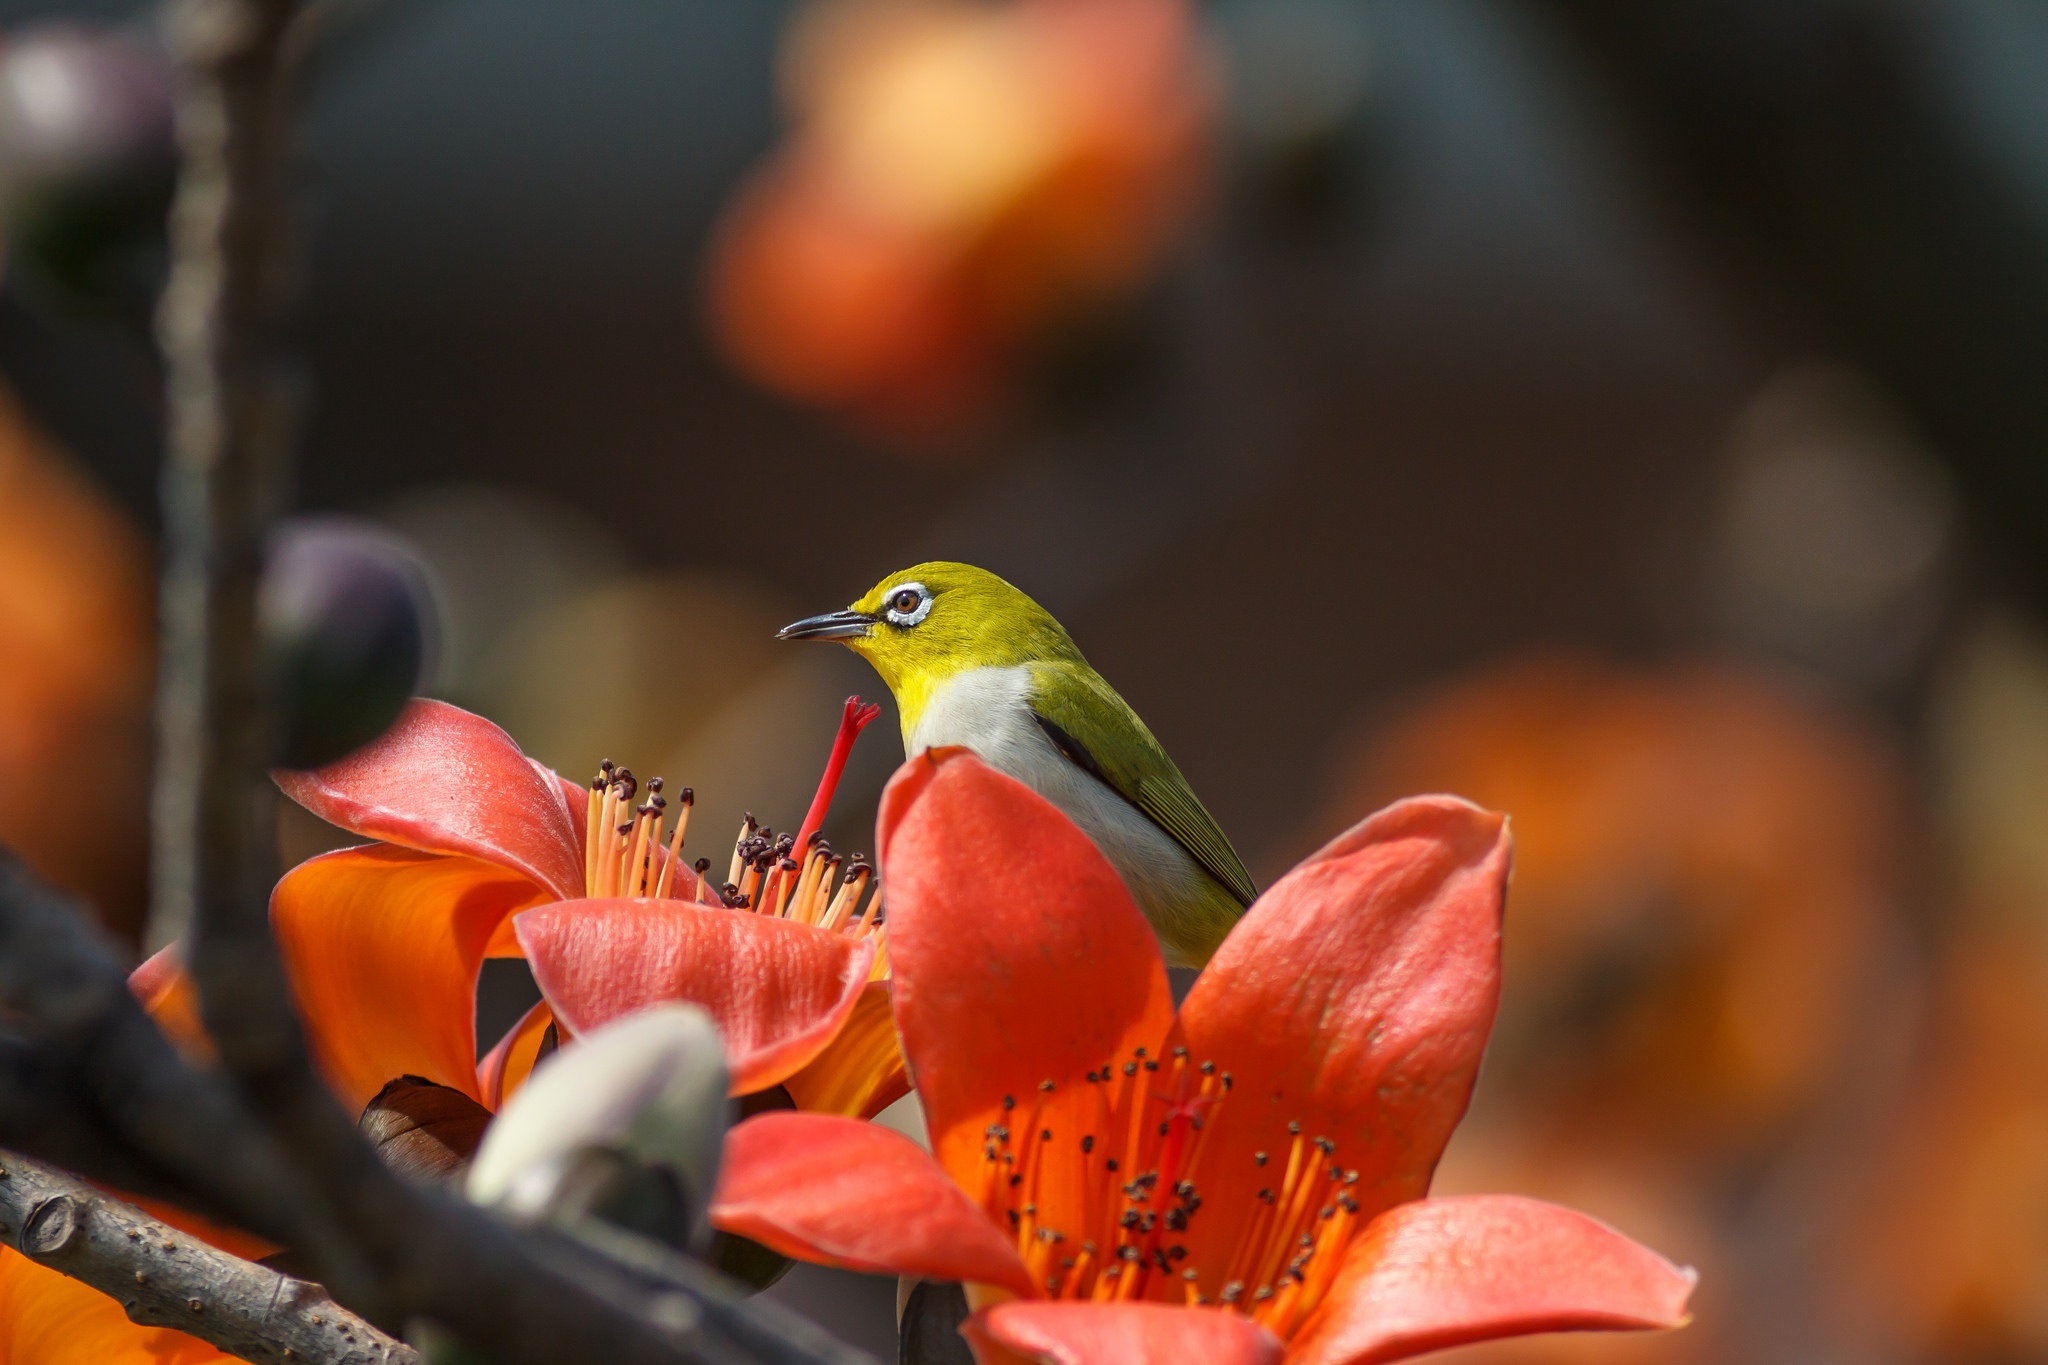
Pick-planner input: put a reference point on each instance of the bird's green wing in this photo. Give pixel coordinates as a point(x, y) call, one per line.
point(1095, 728)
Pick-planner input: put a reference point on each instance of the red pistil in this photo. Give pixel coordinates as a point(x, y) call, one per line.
point(851, 722)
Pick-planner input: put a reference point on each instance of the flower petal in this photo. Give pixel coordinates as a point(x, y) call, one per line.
point(383, 945)
point(779, 991)
point(1122, 1334)
point(1019, 958)
point(860, 1073)
point(1439, 1272)
point(505, 1067)
point(1354, 997)
point(48, 1318)
point(445, 781)
point(841, 1192)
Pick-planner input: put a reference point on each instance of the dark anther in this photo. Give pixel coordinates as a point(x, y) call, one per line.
point(1087, 1144)
point(1091, 1078)
point(1045, 1087)
point(1045, 1135)
point(1009, 1101)
point(1293, 1128)
point(1109, 1165)
point(1180, 1054)
point(653, 784)
point(1208, 1068)
point(702, 865)
point(1130, 1068)
point(1259, 1158)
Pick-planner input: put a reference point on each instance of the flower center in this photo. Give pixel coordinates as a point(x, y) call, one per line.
point(1139, 1166)
point(627, 854)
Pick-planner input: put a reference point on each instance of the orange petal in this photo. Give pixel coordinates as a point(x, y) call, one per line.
point(445, 781)
point(47, 1318)
point(1355, 996)
point(860, 1073)
point(382, 946)
point(1122, 1334)
point(841, 1192)
point(1019, 958)
point(505, 1067)
point(779, 991)
point(1439, 1272)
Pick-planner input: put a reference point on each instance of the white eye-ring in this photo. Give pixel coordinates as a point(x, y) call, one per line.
point(909, 603)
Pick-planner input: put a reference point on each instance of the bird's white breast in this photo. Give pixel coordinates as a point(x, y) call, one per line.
point(988, 710)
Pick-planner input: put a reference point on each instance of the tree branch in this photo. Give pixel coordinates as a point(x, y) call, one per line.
point(164, 1278)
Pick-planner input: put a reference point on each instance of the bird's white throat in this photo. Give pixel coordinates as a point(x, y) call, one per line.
point(988, 710)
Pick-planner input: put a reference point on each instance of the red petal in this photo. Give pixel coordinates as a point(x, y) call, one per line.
point(840, 1192)
point(383, 945)
point(1122, 1334)
point(860, 1073)
point(1354, 997)
point(445, 781)
point(1018, 958)
point(505, 1067)
point(1439, 1272)
point(779, 991)
point(48, 1318)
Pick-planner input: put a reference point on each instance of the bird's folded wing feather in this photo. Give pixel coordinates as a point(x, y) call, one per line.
point(1098, 731)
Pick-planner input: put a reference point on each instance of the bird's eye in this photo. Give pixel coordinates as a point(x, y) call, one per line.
point(909, 604)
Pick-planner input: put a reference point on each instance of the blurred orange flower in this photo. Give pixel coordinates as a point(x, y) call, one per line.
point(965, 181)
point(1707, 887)
point(77, 644)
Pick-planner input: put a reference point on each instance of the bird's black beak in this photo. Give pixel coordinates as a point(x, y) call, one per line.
point(833, 625)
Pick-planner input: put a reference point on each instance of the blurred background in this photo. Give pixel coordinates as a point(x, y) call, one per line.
point(1632, 416)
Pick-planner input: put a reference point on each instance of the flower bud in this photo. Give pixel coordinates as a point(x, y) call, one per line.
point(348, 620)
point(625, 1125)
point(87, 165)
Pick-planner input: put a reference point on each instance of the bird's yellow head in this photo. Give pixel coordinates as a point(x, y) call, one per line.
point(921, 626)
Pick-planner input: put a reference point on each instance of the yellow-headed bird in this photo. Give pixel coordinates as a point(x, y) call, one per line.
point(975, 662)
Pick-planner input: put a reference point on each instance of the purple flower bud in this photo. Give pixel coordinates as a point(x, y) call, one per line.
point(349, 621)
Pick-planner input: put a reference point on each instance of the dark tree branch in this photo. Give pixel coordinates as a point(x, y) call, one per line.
point(401, 1253)
point(164, 1278)
point(64, 980)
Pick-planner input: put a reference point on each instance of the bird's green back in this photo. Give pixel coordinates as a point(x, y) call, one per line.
point(1098, 729)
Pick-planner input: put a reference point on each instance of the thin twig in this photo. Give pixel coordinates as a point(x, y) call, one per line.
point(164, 1278)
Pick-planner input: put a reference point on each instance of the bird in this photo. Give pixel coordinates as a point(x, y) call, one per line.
point(973, 661)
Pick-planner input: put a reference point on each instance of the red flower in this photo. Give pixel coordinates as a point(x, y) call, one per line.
point(482, 852)
point(1243, 1182)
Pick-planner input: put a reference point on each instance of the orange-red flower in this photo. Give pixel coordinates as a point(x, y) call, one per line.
point(482, 852)
point(1244, 1181)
